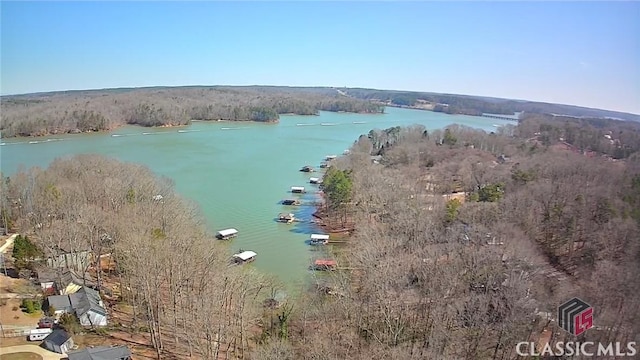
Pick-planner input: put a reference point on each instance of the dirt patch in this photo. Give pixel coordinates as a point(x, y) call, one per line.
point(9, 316)
point(14, 341)
point(22, 356)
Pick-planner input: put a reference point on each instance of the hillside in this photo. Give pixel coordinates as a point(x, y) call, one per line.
point(95, 110)
point(476, 105)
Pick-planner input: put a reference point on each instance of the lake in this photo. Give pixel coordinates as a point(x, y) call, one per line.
point(238, 172)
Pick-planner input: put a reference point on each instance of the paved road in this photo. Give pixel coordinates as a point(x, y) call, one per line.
point(46, 354)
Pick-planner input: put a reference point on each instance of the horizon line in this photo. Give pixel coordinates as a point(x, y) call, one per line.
point(308, 86)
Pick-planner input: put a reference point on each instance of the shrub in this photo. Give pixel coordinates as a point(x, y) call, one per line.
point(15, 308)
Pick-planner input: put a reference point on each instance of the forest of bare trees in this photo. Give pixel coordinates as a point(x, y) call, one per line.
point(432, 277)
point(95, 110)
point(427, 273)
point(169, 270)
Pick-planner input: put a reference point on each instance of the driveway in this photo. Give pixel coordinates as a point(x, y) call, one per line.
point(46, 354)
point(8, 243)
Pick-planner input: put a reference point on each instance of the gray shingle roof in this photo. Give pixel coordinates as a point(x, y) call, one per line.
point(83, 301)
point(100, 353)
point(86, 300)
point(60, 302)
point(57, 337)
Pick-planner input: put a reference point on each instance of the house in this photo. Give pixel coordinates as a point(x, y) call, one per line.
point(101, 353)
point(58, 341)
point(227, 234)
point(86, 304)
point(88, 307)
point(63, 281)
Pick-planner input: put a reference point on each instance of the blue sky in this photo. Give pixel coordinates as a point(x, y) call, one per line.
point(580, 53)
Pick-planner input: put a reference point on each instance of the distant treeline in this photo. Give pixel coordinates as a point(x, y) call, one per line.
point(618, 139)
point(95, 110)
point(476, 105)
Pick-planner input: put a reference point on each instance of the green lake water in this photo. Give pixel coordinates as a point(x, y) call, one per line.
point(238, 172)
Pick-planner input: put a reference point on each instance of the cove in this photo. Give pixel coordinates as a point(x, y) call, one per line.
point(237, 172)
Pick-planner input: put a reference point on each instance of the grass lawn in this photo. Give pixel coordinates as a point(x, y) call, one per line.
point(22, 356)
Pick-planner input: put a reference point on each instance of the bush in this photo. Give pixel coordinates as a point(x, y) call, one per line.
point(30, 306)
point(15, 308)
point(70, 323)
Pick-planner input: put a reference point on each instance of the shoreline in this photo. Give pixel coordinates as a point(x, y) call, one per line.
point(76, 131)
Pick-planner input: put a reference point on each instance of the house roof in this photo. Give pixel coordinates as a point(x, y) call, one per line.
point(70, 276)
point(85, 300)
point(58, 337)
point(60, 302)
point(100, 353)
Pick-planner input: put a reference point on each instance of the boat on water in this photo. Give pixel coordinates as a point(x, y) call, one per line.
point(227, 234)
point(330, 157)
point(307, 168)
point(319, 239)
point(293, 202)
point(315, 180)
point(243, 257)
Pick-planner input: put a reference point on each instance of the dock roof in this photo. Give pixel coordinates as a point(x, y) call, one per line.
point(319, 237)
point(300, 188)
point(325, 262)
point(227, 232)
point(245, 255)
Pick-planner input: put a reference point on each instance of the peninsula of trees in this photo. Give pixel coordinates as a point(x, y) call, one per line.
point(95, 110)
point(465, 243)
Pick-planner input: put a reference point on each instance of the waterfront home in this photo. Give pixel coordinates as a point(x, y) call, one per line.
point(319, 239)
point(286, 218)
point(291, 202)
point(297, 189)
point(86, 304)
point(324, 265)
point(58, 341)
point(227, 234)
point(244, 257)
point(307, 169)
point(62, 281)
point(315, 180)
point(101, 353)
